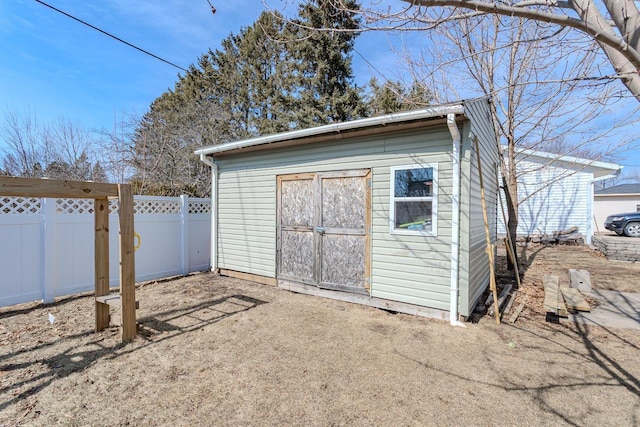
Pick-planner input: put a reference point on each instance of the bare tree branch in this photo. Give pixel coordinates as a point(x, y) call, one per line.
point(624, 57)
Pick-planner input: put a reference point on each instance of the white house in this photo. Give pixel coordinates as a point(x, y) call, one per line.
point(556, 192)
point(621, 198)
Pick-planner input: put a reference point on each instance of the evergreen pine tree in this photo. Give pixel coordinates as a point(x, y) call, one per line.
point(324, 43)
point(393, 96)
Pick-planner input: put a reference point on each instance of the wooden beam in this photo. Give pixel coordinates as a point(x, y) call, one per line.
point(113, 300)
point(516, 314)
point(127, 262)
point(367, 229)
point(512, 298)
point(574, 300)
point(35, 187)
point(490, 248)
point(553, 302)
point(101, 215)
point(501, 299)
point(250, 277)
point(384, 304)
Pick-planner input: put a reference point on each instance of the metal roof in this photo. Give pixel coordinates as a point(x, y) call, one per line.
point(620, 189)
point(597, 167)
point(370, 122)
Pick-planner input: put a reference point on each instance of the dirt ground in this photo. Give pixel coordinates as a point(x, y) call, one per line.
point(220, 351)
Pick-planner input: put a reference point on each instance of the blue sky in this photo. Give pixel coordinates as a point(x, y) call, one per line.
point(57, 67)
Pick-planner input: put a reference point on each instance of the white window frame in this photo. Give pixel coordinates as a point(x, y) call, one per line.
point(433, 198)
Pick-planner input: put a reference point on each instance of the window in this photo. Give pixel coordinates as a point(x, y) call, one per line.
point(413, 199)
point(637, 208)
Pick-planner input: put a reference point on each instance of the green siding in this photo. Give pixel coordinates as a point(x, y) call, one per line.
point(474, 265)
point(411, 269)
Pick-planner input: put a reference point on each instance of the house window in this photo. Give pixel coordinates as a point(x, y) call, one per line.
point(413, 200)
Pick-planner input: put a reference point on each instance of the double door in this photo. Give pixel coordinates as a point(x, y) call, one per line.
point(323, 229)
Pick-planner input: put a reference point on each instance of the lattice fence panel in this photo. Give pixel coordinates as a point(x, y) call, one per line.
point(74, 206)
point(114, 206)
point(156, 207)
point(19, 205)
point(199, 207)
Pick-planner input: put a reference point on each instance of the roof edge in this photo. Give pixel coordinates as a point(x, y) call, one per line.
point(569, 159)
point(631, 189)
point(405, 116)
point(615, 194)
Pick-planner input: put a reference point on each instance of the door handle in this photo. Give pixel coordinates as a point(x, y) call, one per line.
point(320, 230)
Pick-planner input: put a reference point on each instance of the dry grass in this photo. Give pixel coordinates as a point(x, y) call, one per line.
point(219, 351)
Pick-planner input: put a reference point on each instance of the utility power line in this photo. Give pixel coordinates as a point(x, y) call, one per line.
point(213, 9)
point(111, 35)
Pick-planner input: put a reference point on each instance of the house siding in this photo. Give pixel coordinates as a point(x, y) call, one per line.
point(551, 198)
point(411, 269)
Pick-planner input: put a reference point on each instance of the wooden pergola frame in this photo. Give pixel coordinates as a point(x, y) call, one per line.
point(100, 192)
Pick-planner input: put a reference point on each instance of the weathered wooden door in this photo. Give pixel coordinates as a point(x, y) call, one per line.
point(323, 229)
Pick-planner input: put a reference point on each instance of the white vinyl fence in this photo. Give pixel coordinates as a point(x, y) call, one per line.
point(47, 245)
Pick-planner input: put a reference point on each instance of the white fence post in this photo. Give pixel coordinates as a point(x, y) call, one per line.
point(48, 250)
point(184, 232)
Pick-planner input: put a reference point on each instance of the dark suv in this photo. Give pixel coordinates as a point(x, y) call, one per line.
point(626, 223)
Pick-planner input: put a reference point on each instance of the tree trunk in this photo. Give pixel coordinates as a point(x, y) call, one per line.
point(512, 222)
point(510, 190)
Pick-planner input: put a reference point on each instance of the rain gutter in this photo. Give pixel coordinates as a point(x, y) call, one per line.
point(455, 222)
point(214, 211)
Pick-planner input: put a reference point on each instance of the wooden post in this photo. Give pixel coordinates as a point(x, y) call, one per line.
point(50, 188)
point(490, 248)
point(127, 262)
point(101, 215)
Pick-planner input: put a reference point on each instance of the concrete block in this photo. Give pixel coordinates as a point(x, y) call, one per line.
point(580, 279)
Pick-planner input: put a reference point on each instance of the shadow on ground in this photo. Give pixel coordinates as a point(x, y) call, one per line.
point(152, 329)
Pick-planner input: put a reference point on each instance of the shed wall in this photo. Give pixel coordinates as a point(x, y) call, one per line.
point(474, 265)
point(411, 269)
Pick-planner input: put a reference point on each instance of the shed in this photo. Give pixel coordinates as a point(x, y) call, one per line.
point(620, 198)
point(556, 192)
point(382, 211)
